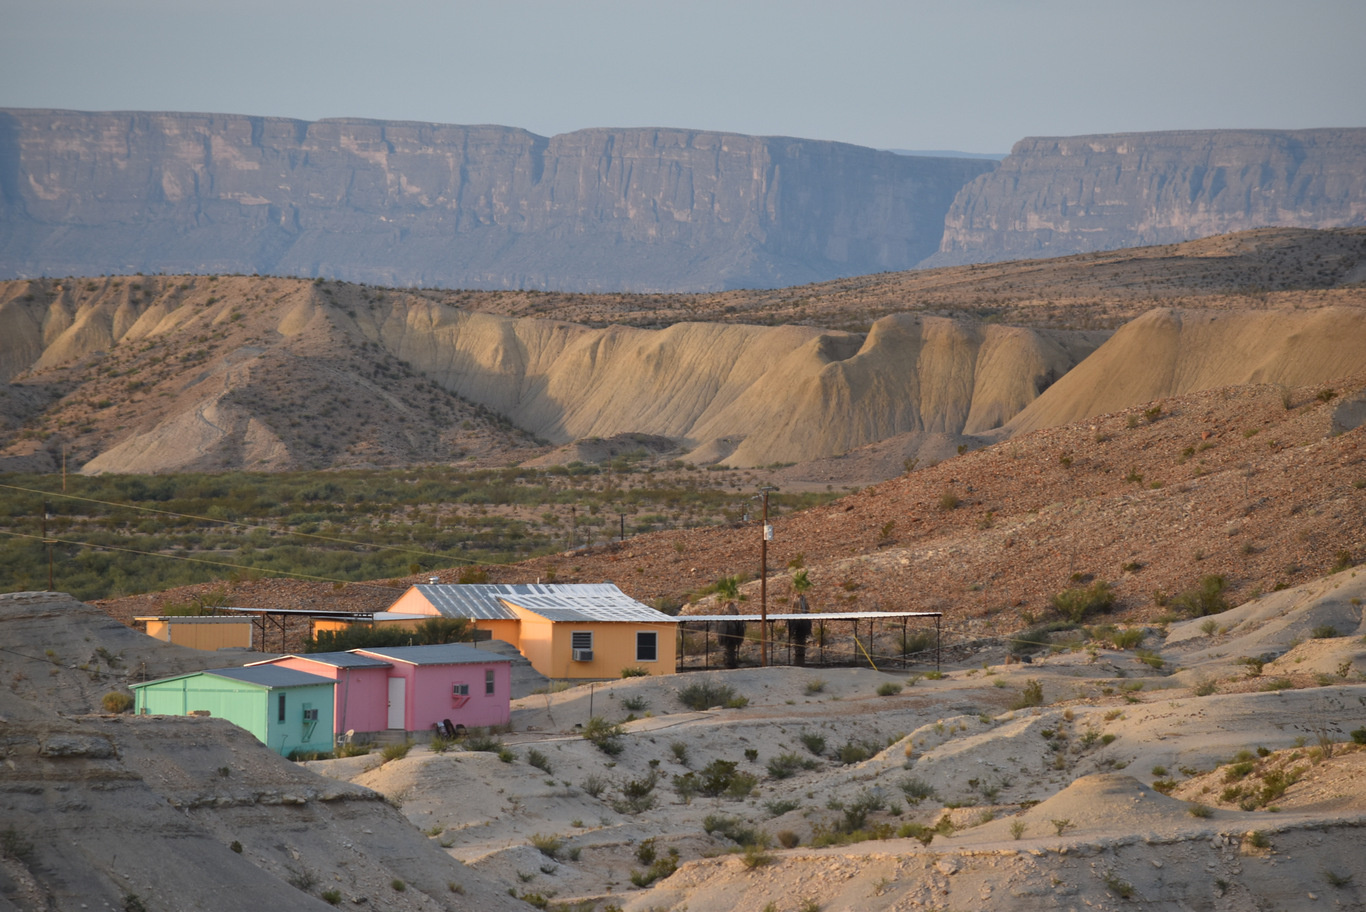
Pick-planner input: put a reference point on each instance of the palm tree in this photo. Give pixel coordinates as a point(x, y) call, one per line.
point(732, 633)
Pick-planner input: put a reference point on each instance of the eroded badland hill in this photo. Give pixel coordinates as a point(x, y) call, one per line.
point(1190, 746)
point(157, 374)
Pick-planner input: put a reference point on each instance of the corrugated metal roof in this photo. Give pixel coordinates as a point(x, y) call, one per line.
point(476, 601)
point(269, 676)
point(571, 602)
point(608, 604)
point(335, 659)
point(446, 654)
point(813, 616)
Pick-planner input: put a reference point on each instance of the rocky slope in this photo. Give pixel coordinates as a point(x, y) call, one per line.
point(1060, 195)
point(120, 812)
point(457, 206)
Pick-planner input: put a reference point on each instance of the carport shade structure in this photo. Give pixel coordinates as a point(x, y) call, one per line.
point(859, 654)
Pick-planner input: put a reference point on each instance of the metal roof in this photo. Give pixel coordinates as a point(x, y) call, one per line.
point(335, 659)
point(271, 676)
point(175, 619)
point(566, 602)
point(476, 601)
point(446, 654)
point(611, 605)
point(812, 616)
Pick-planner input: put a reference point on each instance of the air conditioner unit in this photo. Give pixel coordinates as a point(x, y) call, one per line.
point(310, 715)
point(583, 655)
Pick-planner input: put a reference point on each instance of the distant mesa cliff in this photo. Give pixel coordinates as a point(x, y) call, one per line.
point(457, 206)
point(1058, 196)
point(488, 207)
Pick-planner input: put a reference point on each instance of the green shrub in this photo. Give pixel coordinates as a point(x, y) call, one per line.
point(549, 846)
point(813, 742)
point(1030, 695)
point(786, 765)
point(702, 695)
point(1077, 603)
point(539, 760)
point(634, 671)
point(1037, 637)
point(605, 736)
point(734, 829)
point(483, 741)
point(637, 795)
point(889, 689)
point(116, 702)
point(916, 790)
point(396, 751)
point(853, 751)
point(720, 777)
point(1206, 598)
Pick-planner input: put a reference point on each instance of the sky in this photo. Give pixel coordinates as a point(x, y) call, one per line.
point(967, 75)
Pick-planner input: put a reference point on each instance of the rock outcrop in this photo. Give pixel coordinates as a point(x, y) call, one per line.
point(1055, 196)
point(402, 203)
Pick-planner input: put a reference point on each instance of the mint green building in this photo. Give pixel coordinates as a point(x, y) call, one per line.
point(286, 710)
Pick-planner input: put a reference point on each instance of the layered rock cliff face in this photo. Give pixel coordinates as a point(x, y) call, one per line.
point(1059, 196)
point(457, 206)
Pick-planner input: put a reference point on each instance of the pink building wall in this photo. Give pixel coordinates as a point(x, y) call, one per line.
point(362, 694)
point(429, 693)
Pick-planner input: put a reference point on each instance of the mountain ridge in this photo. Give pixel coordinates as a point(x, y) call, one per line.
point(408, 203)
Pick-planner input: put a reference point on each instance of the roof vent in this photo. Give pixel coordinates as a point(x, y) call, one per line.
point(433, 580)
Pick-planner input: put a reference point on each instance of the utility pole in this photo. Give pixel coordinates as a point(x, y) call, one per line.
point(763, 579)
point(47, 512)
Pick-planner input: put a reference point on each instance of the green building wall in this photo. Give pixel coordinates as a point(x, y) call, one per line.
point(249, 706)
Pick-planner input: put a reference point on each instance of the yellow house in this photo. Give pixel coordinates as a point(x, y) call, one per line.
point(201, 632)
point(570, 630)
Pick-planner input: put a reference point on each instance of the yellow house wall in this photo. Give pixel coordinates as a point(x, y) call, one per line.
point(202, 636)
point(413, 602)
point(508, 631)
point(547, 646)
point(159, 629)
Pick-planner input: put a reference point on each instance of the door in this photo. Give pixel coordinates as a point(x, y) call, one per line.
point(397, 693)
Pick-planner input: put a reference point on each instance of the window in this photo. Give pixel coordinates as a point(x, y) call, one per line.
point(581, 639)
point(647, 646)
point(488, 680)
point(281, 717)
point(460, 690)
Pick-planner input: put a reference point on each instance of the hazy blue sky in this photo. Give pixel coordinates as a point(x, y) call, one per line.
point(974, 75)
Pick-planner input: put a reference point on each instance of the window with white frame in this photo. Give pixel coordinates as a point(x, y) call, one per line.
point(460, 690)
point(488, 681)
point(647, 646)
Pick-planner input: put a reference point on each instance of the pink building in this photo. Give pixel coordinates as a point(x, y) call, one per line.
point(429, 685)
point(412, 688)
point(362, 686)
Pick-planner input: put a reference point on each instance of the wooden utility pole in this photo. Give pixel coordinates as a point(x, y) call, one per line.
point(767, 533)
point(47, 509)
